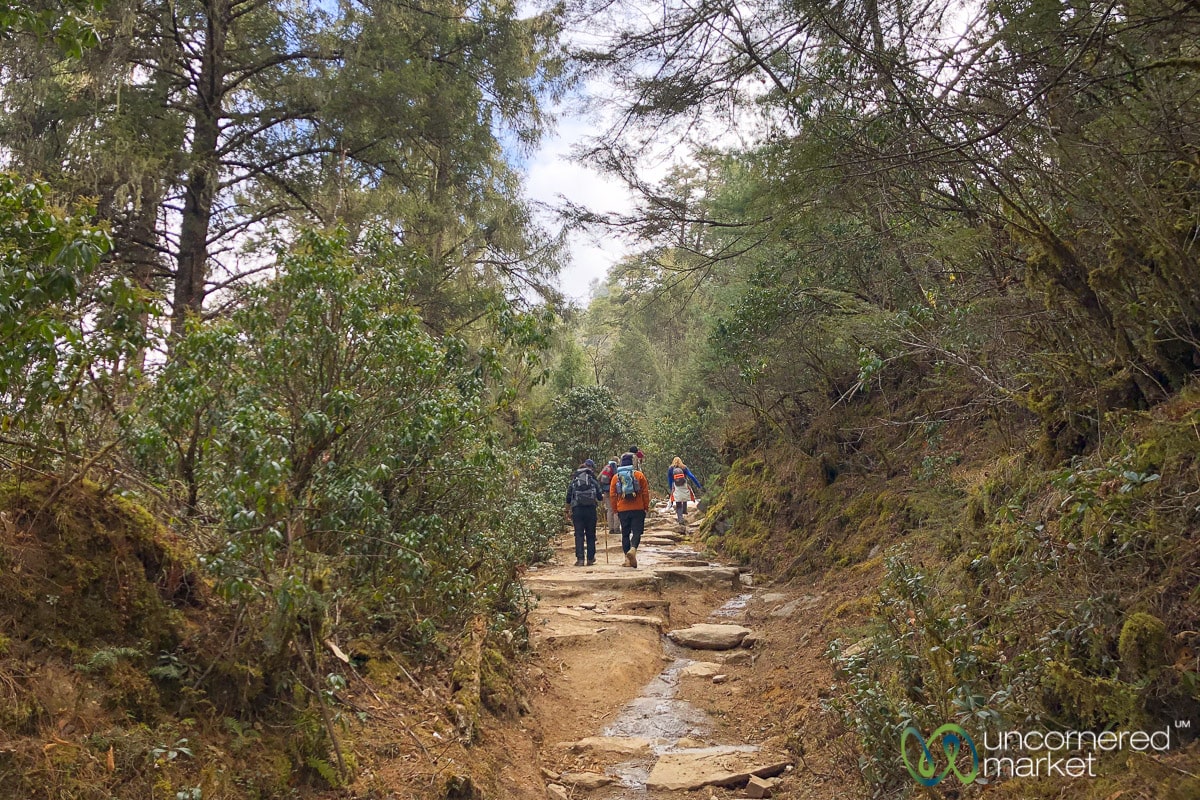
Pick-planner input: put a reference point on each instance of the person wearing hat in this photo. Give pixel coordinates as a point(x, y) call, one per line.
point(629, 493)
point(638, 456)
point(583, 496)
point(610, 514)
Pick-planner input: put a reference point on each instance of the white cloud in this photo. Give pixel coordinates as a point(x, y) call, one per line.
point(552, 177)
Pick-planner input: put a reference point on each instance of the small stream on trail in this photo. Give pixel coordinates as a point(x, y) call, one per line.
point(734, 608)
point(658, 715)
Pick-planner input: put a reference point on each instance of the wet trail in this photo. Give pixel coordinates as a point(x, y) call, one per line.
point(622, 673)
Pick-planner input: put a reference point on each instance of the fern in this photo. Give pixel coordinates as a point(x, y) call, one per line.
point(107, 657)
point(327, 771)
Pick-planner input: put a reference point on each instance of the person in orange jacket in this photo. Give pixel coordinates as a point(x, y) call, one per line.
point(629, 494)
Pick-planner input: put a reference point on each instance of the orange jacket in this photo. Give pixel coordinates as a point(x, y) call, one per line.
point(639, 503)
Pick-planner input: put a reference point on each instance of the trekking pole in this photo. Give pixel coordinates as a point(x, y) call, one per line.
point(607, 528)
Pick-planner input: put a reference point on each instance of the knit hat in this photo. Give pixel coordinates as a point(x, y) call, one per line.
point(589, 463)
point(627, 460)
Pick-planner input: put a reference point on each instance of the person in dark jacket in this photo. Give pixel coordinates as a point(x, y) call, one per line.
point(583, 496)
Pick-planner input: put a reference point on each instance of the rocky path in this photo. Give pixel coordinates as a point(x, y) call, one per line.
point(639, 675)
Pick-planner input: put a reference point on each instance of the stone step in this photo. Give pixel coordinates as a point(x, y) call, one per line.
point(609, 745)
point(686, 770)
point(659, 606)
point(560, 585)
point(601, 617)
point(705, 577)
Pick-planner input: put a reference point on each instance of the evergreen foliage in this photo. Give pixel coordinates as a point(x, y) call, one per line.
point(589, 422)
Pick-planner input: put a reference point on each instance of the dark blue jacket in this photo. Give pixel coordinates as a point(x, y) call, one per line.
point(600, 491)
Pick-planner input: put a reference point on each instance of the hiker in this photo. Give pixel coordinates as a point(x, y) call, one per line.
point(629, 493)
point(678, 488)
point(610, 513)
point(583, 495)
point(638, 456)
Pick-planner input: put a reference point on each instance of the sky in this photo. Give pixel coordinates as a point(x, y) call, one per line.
point(551, 177)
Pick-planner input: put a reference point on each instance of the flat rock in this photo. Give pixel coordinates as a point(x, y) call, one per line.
point(562, 585)
point(700, 669)
point(704, 577)
point(556, 792)
point(585, 780)
point(858, 648)
point(786, 610)
point(610, 745)
point(707, 636)
point(634, 619)
point(739, 659)
point(686, 770)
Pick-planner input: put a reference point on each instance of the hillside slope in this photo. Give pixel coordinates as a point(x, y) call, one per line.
point(1011, 593)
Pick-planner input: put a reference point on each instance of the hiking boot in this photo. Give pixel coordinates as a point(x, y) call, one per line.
point(591, 562)
point(579, 562)
point(633, 557)
point(628, 563)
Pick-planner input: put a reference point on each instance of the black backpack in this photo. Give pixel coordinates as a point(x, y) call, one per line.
point(584, 486)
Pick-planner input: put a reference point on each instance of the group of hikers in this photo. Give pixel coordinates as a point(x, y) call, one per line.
point(622, 490)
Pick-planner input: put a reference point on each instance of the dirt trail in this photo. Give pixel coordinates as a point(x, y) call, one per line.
point(621, 711)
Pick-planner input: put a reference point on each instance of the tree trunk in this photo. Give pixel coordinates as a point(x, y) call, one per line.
point(200, 187)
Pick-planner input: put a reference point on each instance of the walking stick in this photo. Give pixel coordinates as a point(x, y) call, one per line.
point(607, 528)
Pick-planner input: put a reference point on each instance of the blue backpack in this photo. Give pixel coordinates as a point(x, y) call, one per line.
point(627, 484)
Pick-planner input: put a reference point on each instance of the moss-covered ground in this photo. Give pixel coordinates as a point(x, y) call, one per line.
point(1015, 590)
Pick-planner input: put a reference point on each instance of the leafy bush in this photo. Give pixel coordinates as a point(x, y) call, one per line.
point(65, 323)
point(589, 422)
point(685, 434)
point(341, 453)
point(924, 664)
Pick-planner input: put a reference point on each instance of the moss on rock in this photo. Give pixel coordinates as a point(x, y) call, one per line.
point(1142, 645)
